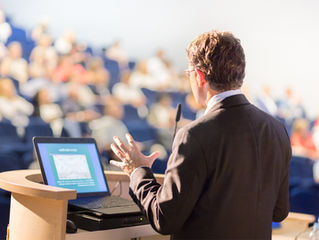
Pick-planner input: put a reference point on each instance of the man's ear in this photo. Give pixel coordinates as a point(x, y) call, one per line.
point(201, 81)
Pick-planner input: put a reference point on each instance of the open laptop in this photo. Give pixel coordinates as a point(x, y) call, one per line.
point(74, 163)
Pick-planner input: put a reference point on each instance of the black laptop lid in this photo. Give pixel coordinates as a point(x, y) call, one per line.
point(72, 163)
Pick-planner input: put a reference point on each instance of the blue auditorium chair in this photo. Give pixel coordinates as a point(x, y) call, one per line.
point(10, 142)
point(36, 127)
point(301, 172)
point(139, 128)
point(150, 95)
point(305, 200)
point(131, 65)
point(114, 70)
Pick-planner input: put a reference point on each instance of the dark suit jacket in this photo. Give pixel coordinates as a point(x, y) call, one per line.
point(227, 176)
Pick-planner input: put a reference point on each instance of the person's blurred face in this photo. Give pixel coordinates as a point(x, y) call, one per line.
point(45, 41)
point(142, 67)
point(115, 110)
point(44, 97)
point(166, 101)
point(15, 50)
point(7, 88)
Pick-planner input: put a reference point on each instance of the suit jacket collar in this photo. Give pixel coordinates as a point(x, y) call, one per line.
point(231, 101)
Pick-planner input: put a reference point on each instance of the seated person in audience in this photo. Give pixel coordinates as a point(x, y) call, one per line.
point(48, 111)
point(127, 94)
point(97, 77)
point(116, 53)
point(315, 133)
point(41, 29)
point(63, 44)
point(160, 69)
point(301, 140)
point(68, 68)
point(14, 65)
point(5, 32)
point(44, 48)
point(37, 66)
point(140, 77)
point(5, 29)
point(266, 102)
point(12, 106)
point(162, 116)
point(76, 109)
point(109, 125)
point(290, 107)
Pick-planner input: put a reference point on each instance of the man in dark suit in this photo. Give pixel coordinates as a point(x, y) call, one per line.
point(227, 176)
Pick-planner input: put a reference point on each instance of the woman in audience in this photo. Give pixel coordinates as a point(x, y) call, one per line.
point(47, 52)
point(97, 77)
point(127, 94)
point(48, 111)
point(5, 32)
point(77, 109)
point(162, 116)
point(109, 125)
point(301, 140)
point(14, 65)
point(12, 106)
point(141, 78)
point(116, 53)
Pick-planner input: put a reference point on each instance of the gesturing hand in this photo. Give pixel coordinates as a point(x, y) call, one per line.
point(131, 157)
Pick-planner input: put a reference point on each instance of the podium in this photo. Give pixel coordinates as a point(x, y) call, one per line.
point(39, 211)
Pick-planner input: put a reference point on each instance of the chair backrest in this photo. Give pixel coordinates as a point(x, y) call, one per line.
point(305, 200)
point(10, 161)
point(114, 70)
point(301, 167)
point(8, 133)
point(130, 113)
point(37, 127)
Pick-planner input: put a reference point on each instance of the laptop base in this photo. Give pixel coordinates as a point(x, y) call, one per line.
point(92, 222)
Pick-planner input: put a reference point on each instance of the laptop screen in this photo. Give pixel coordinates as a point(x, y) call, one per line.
point(72, 165)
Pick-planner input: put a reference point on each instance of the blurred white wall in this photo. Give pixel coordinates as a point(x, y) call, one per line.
point(280, 37)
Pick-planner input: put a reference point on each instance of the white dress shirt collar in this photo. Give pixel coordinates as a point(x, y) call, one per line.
point(220, 97)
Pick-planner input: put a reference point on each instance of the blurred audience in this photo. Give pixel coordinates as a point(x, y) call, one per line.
point(97, 78)
point(70, 89)
point(160, 69)
point(64, 44)
point(301, 140)
point(13, 107)
point(140, 78)
point(127, 94)
point(266, 102)
point(116, 53)
point(48, 111)
point(109, 125)
point(14, 65)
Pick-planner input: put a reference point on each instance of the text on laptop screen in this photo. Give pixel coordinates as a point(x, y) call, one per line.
point(73, 165)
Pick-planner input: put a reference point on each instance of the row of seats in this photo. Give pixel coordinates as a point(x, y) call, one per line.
point(16, 152)
point(304, 191)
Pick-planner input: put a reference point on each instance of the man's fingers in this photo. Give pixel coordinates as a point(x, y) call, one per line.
point(120, 144)
point(117, 164)
point(131, 141)
point(117, 151)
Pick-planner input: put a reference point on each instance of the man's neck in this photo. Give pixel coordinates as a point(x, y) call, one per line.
point(210, 93)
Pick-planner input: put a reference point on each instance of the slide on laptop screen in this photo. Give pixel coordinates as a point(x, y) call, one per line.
point(72, 165)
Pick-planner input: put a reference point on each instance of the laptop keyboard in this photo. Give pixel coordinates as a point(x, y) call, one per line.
point(113, 201)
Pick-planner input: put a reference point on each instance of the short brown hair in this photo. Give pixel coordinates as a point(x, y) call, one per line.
point(220, 57)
